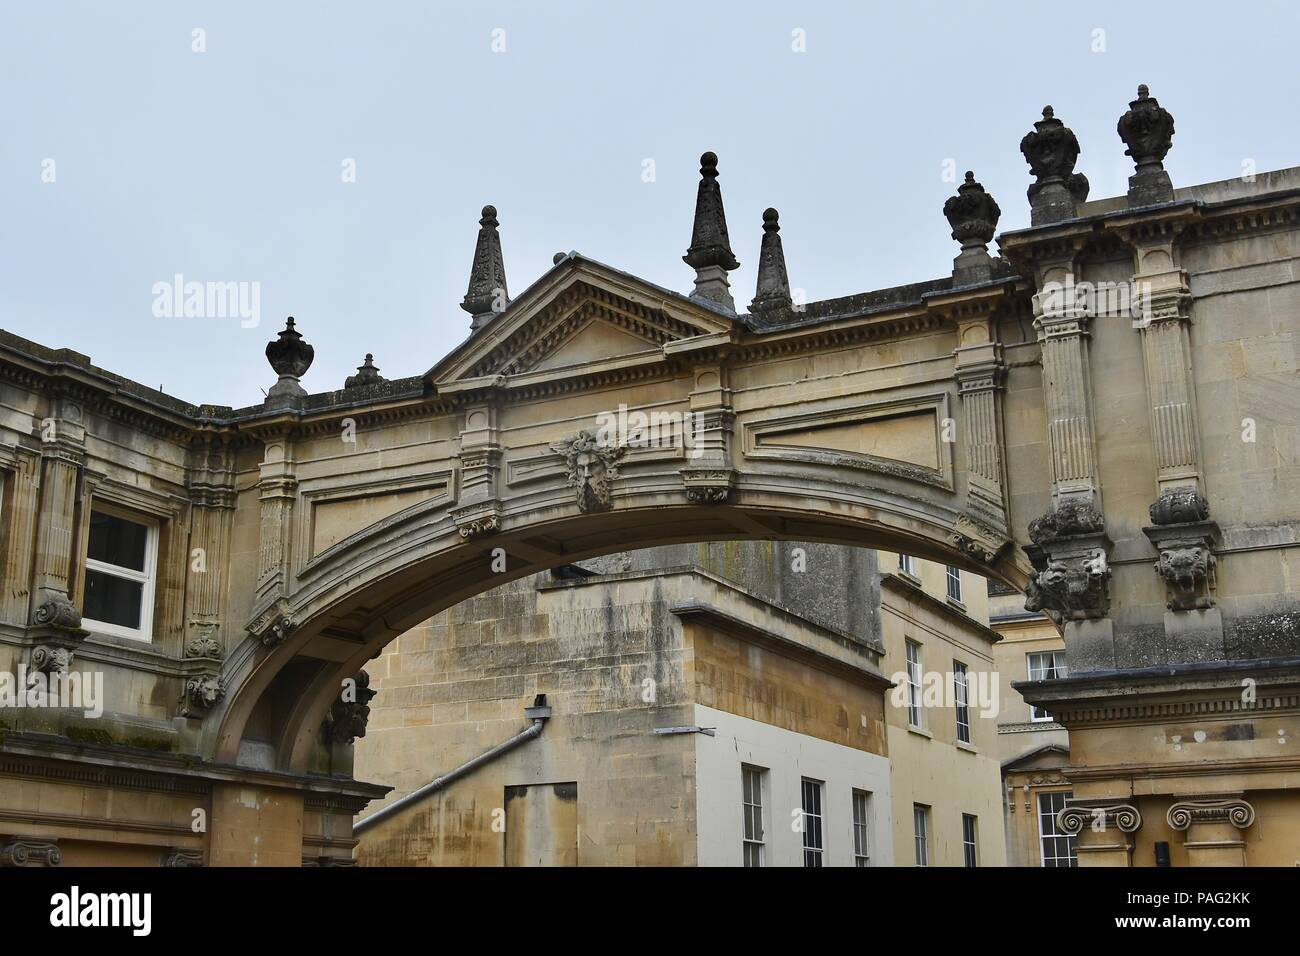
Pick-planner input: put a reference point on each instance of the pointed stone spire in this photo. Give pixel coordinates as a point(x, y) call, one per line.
point(1147, 129)
point(773, 292)
point(290, 355)
point(710, 251)
point(1052, 149)
point(487, 277)
point(367, 374)
point(973, 215)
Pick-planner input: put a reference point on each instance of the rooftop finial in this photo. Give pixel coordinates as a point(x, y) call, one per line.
point(1051, 149)
point(290, 355)
point(367, 374)
point(1147, 129)
point(487, 277)
point(710, 250)
point(973, 215)
point(773, 292)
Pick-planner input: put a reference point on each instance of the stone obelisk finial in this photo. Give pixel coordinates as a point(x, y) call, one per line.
point(290, 355)
point(1147, 129)
point(973, 215)
point(487, 276)
point(773, 292)
point(1051, 149)
point(710, 251)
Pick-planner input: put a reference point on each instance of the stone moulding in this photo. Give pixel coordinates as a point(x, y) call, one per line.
point(1183, 813)
point(1101, 816)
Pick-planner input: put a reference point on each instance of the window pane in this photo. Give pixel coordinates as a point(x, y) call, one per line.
point(115, 540)
point(113, 600)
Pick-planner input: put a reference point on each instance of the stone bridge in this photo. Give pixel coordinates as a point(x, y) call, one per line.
point(1104, 415)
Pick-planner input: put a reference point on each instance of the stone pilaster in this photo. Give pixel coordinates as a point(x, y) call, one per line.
point(708, 476)
point(1181, 531)
point(478, 511)
point(24, 502)
point(63, 436)
point(1103, 830)
point(277, 491)
point(1061, 322)
point(1215, 826)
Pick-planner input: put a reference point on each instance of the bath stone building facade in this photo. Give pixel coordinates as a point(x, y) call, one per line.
point(704, 705)
point(1102, 416)
point(1033, 747)
point(723, 705)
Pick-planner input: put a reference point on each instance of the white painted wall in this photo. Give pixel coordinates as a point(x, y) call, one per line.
point(788, 757)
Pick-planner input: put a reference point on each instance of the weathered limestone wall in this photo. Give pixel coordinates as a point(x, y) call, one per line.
point(459, 685)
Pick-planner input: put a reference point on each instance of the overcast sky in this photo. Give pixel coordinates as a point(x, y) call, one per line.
point(229, 164)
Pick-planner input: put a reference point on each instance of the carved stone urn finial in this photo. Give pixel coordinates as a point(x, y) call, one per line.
point(1051, 149)
point(973, 215)
point(486, 295)
point(367, 374)
point(1147, 129)
point(290, 355)
point(710, 250)
point(773, 292)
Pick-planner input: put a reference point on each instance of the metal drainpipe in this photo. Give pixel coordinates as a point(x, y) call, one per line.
point(539, 712)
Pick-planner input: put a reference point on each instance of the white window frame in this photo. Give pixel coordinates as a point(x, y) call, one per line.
point(907, 564)
point(861, 800)
point(148, 577)
point(970, 858)
point(747, 840)
point(952, 579)
point(921, 833)
point(819, 851)
point(961, 700)
point(915, 712)
point(1056, 669)
point(1072, 854)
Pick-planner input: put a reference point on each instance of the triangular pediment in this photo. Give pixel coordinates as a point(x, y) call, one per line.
point(580, 317)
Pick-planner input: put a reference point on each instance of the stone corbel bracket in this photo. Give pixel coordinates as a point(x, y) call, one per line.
point(1185, 538)
point(977, 539)
point(709, 486)
point(273, 625)
point(479, 519)
point(1100, 816)
point(1072, 573)
point(201, 694)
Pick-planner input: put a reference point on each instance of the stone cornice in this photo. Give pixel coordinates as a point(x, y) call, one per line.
point(36, 756)
point(1187, 690)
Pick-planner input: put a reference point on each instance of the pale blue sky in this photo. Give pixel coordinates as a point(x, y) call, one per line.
point(225, 165)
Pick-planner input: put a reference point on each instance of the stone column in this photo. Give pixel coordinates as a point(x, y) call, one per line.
point(1214, 826)
point(1102, 830)
point(478, 511)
